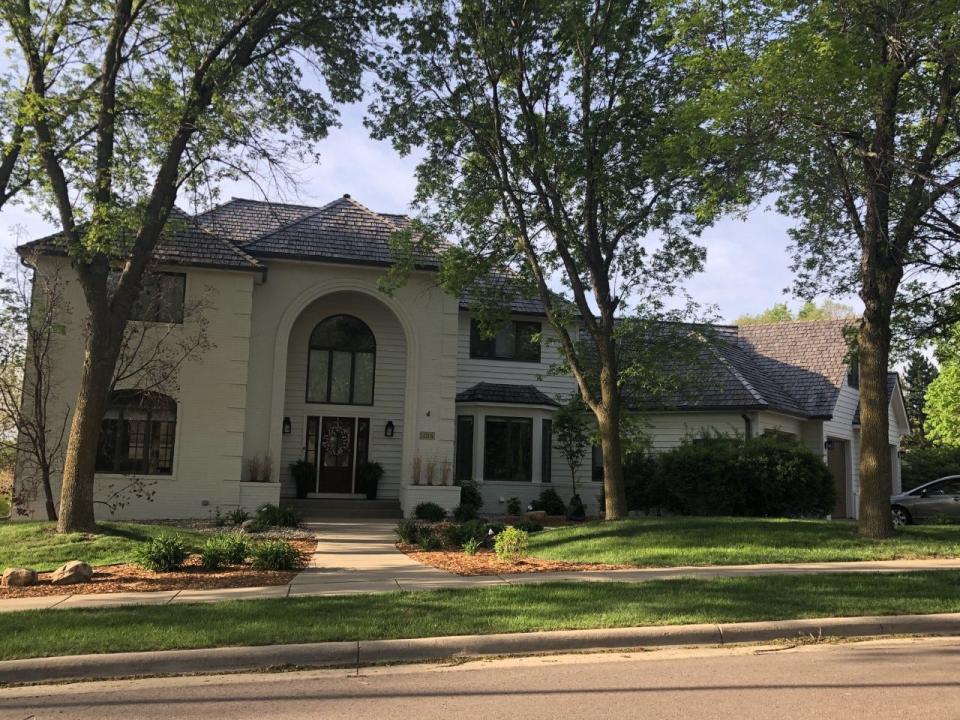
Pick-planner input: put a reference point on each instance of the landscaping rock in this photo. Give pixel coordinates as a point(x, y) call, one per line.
point(537, 515)
point(248, 526)
point(72, 573)
point(18, 577)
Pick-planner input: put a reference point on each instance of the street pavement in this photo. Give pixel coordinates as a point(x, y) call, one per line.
point(890, 678)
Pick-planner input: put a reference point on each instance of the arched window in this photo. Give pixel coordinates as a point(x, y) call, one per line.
point(340, 366)
point(138, 433)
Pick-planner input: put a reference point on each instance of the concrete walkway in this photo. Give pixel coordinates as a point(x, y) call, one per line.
point(360, 557)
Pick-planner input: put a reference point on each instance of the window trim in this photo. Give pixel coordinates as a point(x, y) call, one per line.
point(528, 421)
point(353, 367)
point(475, 334)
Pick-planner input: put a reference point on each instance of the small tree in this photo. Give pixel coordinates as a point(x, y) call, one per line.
point(919, 376)
point(572, 436)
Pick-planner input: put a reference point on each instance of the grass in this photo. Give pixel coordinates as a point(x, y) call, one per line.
point(38, 546)
point(4, 506)
point(665, 542)
point(517, 608)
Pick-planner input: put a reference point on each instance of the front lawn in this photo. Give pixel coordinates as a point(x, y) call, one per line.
point(37, 545)
point(4, 506)
point(499, 609)
point(666, 542)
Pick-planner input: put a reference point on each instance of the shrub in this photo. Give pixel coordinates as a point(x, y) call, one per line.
point(471, 546)
point(643, 484)
point(213, 556)
point(232, 547)
point(408, 531)
point(449, 534)
point(472, 529)
point(427, 539)
point(164, 553)
point(493, 529)
point(759, 477)
point(276, 555)
point(462, 513)
point(921, 465)
point(511, 544)
point(431, 512)
point(576, 509)
point(237, 516)
point(528, 526)
point(272, 516)
point(470, 494)
point(513, 506)
point(550, 502)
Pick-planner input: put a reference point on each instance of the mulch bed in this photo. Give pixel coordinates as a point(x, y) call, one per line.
point(133, 578)
point(485, 562)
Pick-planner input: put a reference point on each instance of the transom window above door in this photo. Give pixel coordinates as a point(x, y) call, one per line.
point(341, 362)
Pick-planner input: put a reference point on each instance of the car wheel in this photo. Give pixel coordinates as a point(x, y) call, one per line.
point(900, 515)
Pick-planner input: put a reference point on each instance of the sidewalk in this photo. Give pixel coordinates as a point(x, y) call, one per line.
point(360, 557)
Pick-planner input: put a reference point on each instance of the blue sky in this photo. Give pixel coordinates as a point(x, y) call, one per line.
point(748, 264)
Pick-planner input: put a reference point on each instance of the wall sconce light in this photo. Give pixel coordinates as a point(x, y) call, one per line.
point(388, 429)
point(287, 426)
point(901, 454)
point(829, 444)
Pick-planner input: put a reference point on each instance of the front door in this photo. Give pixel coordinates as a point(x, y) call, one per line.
point(337, 445)
point(837, 463)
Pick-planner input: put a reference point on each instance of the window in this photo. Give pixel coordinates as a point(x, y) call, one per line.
point(464, 447)
point(341, 362)
point(516, 341)
point(508, 449)
point(596, 464)
point(138, 434)
point(546, 451)
point(161, 298)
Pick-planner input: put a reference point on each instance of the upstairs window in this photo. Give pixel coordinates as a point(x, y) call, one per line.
point(341, 362)
point(137, 434)
point(518, 340)
point(161, 298)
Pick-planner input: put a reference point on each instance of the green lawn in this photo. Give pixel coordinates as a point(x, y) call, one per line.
point(664, 542)
point(4, 506)
point(37, 545)
point(517, 608)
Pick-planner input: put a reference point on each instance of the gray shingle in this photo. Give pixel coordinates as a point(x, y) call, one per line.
point(503, 394)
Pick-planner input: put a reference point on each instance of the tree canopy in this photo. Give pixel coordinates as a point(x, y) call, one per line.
point(781, 312)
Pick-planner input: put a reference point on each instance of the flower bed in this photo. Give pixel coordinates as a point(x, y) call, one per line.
point(485, 562)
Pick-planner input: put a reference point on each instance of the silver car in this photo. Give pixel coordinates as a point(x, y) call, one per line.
point(934, 500)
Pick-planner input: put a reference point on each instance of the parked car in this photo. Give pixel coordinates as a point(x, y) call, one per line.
point(937, 499)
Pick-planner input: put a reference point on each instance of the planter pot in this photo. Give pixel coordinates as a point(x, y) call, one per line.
point(446, 496)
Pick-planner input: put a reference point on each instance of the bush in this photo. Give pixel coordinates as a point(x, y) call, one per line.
point(513, 506)
point(462, 513)
point(921, 465)
point(272, 516)
point(449, 534)
point(224, 549)
point(471, 546)
point(550, 502)
point(472, 530)
point(528, 526)
point(511, 544)
point(237, 516)
point(427, 539)
point(763, 477)
point(164, 553)
point(642, 482)
point(408, 531)
point(431, 512)
point(493, 529)
point(276, 555)
point(470, 494)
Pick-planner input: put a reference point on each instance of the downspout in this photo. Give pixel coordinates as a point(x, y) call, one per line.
point(747, 426)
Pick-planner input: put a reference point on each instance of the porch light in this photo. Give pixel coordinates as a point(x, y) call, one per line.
point(388, 429)
point(287, 426)
point(829, 444)
point(901, 453)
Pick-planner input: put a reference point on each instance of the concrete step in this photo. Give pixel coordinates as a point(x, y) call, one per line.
point(327, 508)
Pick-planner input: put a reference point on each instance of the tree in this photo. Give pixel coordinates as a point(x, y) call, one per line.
point(557, 144)
point(780, 312)
point(920, 373)
point(847, 111)
point(572, 436)
point(31, 321)
point(776, 314)
point(942, 426)
point(131, 101)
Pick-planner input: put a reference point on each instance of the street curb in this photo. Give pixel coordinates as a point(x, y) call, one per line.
point(374, 652)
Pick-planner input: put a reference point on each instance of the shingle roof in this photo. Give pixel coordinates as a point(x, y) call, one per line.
point(505, 394)
point(341, 231)
point(184, 242)
point(892, 379)
point(243, 220)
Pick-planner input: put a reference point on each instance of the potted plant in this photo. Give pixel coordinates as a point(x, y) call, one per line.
point(368, 475)
point(303, 475)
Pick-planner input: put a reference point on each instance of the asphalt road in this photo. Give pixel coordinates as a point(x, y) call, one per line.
point(885, 679)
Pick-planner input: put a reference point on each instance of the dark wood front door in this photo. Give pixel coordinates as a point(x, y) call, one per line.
point(837, 464)
point(337, 445)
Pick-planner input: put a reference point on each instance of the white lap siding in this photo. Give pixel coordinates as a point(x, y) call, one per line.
point(389, 386)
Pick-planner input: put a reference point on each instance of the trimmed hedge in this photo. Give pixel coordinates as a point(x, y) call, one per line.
point(921, 465)
point(762, 477)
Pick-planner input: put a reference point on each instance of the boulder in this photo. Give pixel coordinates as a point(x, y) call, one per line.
point(72, 573)
point(18, 577)
point(249, 526)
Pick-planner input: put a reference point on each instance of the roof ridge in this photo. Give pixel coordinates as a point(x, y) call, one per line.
point(306, 217)
point(739, 376)
point(197, 225)
point(346, 197)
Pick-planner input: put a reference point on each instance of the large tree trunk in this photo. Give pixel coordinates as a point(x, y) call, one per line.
point(76, 492)
point(875, 463)
point(608, 423)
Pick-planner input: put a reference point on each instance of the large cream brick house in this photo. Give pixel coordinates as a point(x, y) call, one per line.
point(309, 360)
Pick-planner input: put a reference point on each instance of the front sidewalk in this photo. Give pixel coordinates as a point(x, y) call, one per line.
point(360, 557)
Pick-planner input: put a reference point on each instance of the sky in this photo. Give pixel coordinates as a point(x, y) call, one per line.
point(747, 268)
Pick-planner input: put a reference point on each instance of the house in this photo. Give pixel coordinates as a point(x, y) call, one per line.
point(309, 360)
